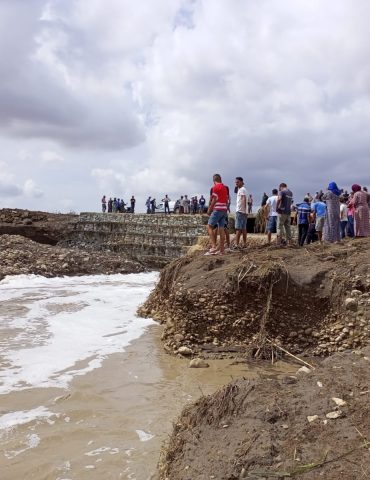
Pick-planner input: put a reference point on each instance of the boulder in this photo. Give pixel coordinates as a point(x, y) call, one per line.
point(351, 304)
point(185, 351)
point(198, 363)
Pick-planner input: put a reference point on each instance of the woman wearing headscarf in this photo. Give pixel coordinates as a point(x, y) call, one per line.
point(332, 218)
point(360, 202)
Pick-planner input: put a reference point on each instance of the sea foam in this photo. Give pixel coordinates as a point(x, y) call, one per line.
point(58, 328)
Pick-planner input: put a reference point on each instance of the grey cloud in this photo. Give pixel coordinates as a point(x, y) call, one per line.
point(36, 101)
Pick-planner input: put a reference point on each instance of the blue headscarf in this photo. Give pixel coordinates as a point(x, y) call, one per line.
point(333, 187)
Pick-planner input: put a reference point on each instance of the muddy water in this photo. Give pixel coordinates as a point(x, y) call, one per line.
point(105, 410)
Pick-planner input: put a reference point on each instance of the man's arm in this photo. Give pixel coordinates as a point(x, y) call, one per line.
point(244, 202)
point(279, 200)
point(213, 201)
point(266, 209)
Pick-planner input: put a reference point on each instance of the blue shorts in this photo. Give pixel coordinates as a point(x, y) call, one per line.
point(241, 221)
point(217, 218)
point(272, 224)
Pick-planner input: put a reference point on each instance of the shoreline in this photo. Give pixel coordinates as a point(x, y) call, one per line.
point(118, 407)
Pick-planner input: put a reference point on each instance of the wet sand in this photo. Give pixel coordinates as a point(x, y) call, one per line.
point(111, 422)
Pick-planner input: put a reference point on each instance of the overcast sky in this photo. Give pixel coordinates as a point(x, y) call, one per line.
point(119, 97)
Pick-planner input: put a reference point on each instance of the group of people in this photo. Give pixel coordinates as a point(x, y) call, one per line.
point(117, 205)
point(183, 205)
point(330, 215)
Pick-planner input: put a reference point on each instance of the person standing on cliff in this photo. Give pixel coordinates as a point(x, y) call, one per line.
point(104, 204)
point(148, 206)
point(186, 204)
point(271, 214)
point(217, 212)
point(241, 215)
point(166, 200)
point(283, 208)
point(202, 202)
point(132, 203)
point(153, 205)
point(250, 203)
point(110, 205)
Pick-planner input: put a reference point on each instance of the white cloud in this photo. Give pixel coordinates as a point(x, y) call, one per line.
point(31, 189)
point(51, 157)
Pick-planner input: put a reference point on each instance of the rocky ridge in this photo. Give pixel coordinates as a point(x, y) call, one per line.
point(19, 255)
point(42, 227)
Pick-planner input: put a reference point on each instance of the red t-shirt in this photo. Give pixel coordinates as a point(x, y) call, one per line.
point(220, 192)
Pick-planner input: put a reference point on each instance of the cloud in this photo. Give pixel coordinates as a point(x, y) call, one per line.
point(9, 187)
point(31, 189)
point(50, 157)
point(42, 97)
point(153, 98)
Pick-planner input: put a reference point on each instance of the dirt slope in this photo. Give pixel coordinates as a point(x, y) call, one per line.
point(277, 429)
point(314, 300)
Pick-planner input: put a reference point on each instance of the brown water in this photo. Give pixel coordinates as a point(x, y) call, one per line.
point(111, 422)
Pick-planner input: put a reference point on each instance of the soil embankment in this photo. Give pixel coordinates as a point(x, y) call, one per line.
point(19, 255)
point(42, 227)
point(313, 300)
point(311, 425)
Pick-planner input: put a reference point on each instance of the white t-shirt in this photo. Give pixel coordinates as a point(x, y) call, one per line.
point(242, 192)
point(272, 202)
point(343, 212)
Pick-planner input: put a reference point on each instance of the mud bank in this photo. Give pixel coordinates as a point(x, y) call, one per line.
point(313, 300)
point(19, 255)
point(310, 425)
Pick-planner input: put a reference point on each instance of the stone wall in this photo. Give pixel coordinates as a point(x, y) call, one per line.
point(152, 239)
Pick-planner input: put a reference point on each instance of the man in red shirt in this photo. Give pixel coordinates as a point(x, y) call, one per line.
point(217, 212)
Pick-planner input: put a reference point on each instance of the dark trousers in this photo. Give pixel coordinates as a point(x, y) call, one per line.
point(311, 234)
point(302, 233)
point(166, 208)
point(343, 225)
point(350, 226)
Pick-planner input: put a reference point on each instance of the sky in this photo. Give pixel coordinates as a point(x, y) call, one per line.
point(126, 98)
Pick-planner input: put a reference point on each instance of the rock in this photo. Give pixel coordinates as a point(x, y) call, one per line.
point(312, 418)
point(339, 402)
point(185, 351)
point(356, 293)
point(333, 415)
point(179, 338)
point(319, 384)
point(303, 370)
point(351, 304)
point(198, 363)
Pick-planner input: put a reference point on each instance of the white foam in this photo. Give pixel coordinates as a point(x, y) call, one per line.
point(70, 325)
point(144, 436)
point(32, 441)
point(12, 419)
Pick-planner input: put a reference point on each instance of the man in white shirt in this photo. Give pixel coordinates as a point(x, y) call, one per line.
point(271, 214)
point(241, 215)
